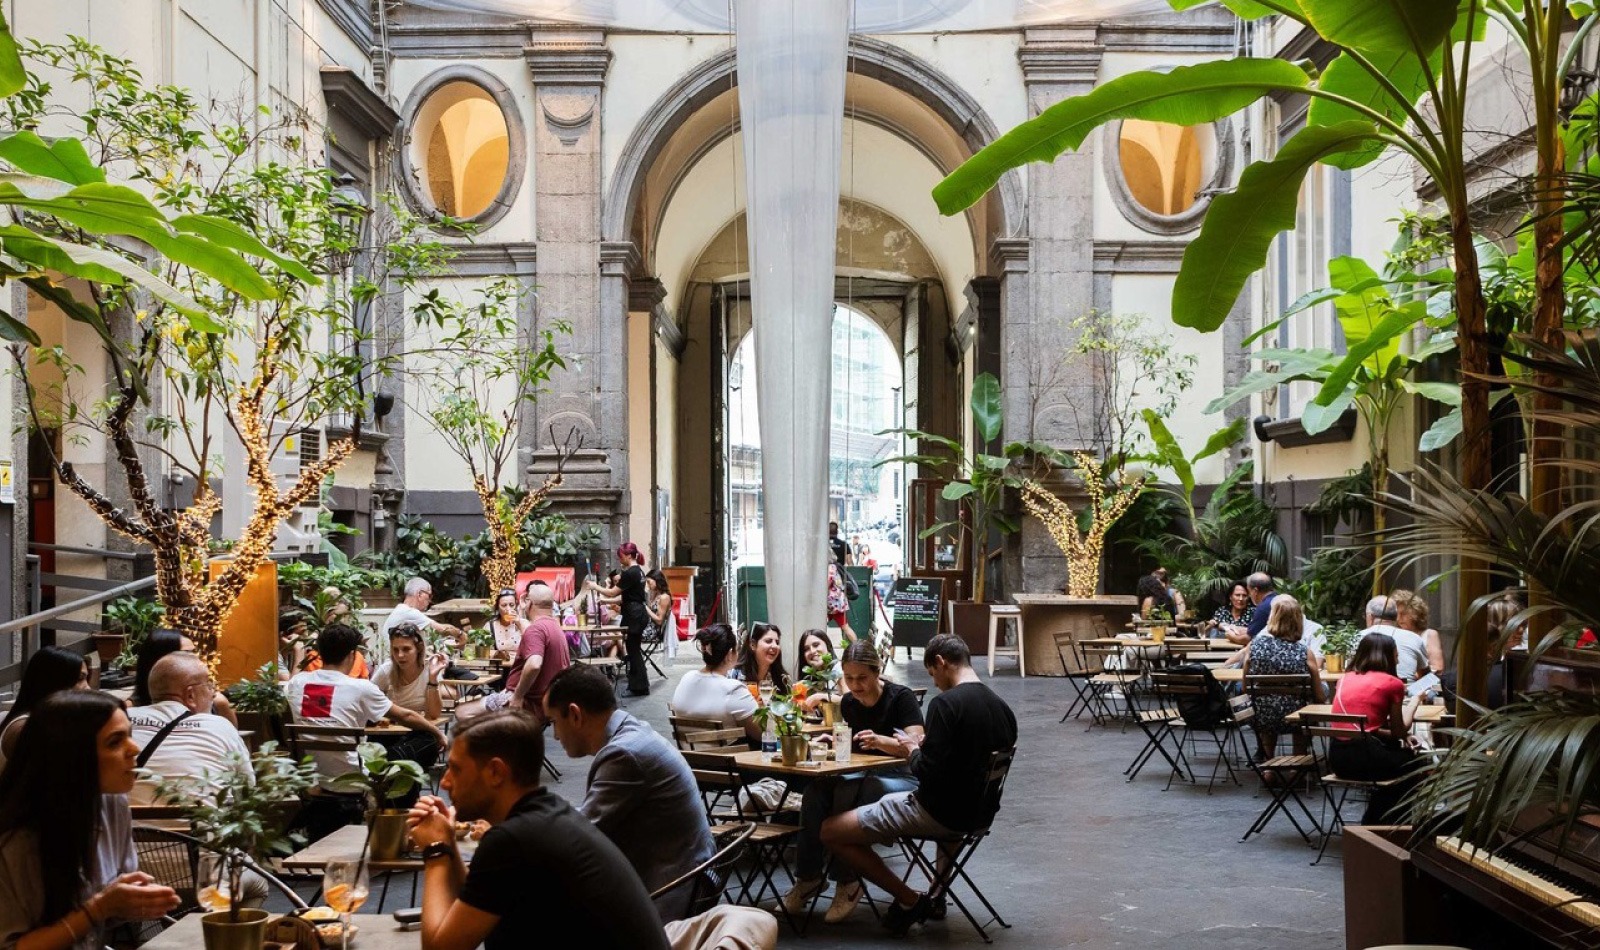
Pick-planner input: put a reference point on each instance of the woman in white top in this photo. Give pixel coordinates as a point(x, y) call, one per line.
point(710, 693)
point(506, 625)
point(406, 678)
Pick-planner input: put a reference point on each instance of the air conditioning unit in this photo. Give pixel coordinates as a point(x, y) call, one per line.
point(298, 534)
point(299, 448)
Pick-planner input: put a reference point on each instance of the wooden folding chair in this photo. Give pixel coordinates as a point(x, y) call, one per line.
point(1325, 728)
point(1187, 693)
point(1075, 673)
point(1288, 772)
point(717, 773)
point(947, 864)
point(709, 880)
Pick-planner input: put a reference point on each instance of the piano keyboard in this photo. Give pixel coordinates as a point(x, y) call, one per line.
point(1535, 883)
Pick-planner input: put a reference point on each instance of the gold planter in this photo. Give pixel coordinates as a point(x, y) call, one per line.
point(830, 712)
point(1158, 634)
point(793, 749)
point(1333, 663)
point(247, 934)
point(389, 835)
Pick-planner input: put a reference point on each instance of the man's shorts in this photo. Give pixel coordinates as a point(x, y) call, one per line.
point(494, 702)
point(899, 815)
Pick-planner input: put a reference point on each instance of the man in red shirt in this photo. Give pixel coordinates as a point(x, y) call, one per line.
point(540, 656)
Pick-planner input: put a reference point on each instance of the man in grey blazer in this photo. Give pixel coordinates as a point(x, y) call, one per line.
point(641, 793)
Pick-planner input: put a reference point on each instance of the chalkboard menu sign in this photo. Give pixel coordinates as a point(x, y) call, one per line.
point(918, 602)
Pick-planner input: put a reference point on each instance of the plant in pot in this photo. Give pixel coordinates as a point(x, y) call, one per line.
point(241, 821)
point(1338, 641)
point(481, 640)
point(127, 621)
point(824, 678)
point(786, 714)
point(1157, 623)
point(382, 780)
point(260, 703)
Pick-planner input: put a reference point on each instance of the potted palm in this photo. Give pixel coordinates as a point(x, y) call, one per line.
point(787, 715)
point(241, 821)
point(823, 678)
point(382, 780)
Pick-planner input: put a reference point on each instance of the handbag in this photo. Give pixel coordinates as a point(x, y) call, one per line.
point(852, 590)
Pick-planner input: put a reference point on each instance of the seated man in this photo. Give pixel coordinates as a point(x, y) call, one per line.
point(966, 723)
point(1412, 649)
point(642, 794)
point(177, 736)
point(330, 696)
point(541, 865)
point(540, 656)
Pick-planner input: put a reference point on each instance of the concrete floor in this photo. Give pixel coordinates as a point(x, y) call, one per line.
point(1081, 858)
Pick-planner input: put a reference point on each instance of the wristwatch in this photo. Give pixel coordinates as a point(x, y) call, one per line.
point(439, 849)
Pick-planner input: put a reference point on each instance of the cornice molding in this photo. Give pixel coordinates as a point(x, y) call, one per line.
point(1060, 55)
point(561, 56)
point(1138, 257)
point(346, 93)
point(354, 18)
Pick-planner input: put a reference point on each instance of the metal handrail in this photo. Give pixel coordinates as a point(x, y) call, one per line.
point(92, 552)
point(35, 619)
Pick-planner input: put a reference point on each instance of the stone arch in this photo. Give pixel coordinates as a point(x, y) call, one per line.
point(868, 57)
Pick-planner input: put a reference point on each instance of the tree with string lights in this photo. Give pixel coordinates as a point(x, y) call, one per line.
point(201, 343)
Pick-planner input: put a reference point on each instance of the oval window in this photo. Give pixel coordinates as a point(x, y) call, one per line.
point(461, 149)
point(1165, 166)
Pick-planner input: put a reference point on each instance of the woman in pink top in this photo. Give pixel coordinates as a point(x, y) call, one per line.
point(1385, 750)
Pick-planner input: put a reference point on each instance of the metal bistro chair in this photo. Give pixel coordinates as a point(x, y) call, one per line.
point(1325, 728)
point(1075, 673)
point(708, 882)
point(1195, 696)
point(1106, 681)
point(768, 840)
point(1289, 771)
point(948, 863)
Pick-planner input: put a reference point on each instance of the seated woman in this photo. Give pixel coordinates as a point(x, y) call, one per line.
point(157, 645)
point(1232, 620)
point(49, 671)
point(761, 661)
point(710, 693)
point(1386, 748)
point(814, 645)
point(412, 682)
point(879, 713)
point(67, 859)
point(1277, 650)
point(658, 605)
point(506, 625)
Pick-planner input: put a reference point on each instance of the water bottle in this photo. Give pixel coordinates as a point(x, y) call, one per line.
point(841, 741)
point(769, 741)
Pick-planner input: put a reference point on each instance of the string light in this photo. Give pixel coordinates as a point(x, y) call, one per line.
point(500, 567)
point(1082, 548)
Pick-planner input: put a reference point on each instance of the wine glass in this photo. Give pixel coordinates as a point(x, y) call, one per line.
point(344, 887)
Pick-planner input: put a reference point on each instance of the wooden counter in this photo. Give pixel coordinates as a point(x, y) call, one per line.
point(1045, 615)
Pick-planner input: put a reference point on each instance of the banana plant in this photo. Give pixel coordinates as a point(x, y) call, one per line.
point(1377, 312)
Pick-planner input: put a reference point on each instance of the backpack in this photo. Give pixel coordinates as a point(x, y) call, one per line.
point(1202, 712)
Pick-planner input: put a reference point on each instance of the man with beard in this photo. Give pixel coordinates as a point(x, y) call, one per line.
point(540, 864)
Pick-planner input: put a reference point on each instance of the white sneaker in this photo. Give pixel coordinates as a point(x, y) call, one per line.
point(845, 899)
point(798, 900)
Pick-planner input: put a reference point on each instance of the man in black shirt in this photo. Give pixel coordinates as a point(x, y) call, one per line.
point(542, 863)
point(966, 722)
point(841, 549)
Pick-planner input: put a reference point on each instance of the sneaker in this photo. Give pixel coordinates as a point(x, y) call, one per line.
point(798, 900)
point(845, 898)
point(899, 920)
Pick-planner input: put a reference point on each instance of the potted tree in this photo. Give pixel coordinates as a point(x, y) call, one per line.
point(241, 821)
point(787, 715)
point(382, 780)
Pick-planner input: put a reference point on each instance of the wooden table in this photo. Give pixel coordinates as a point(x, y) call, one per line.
point(477, 606)
point(1235, 674)
point(1144, 642)
point(372, 932)
point(345, 845)
point(396, 729)
point(1425, 713)
point(755, 763)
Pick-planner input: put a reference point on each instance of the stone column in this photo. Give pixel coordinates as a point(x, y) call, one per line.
point(581, 282)
point(1046, 283)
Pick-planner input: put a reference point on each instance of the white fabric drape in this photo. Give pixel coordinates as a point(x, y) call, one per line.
point(869, 16)
point(791, 110)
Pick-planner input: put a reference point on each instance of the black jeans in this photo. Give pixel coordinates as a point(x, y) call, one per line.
point(635, 621)
point(1373, 758)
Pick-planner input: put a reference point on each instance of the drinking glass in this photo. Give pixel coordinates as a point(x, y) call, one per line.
point(344, 888)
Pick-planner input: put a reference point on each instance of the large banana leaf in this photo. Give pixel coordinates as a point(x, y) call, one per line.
point(1379, 342)
point(1187, 95)
point(1241, 225)
point(1346, 77)
point(65, 159)
point(12, 76)
point(987, 409)
point(96, 264)
point(1383, 26)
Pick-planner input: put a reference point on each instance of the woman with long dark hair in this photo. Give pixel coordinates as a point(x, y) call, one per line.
point(762, 660)
point(1385, 748)
point(710, 693)
point(658, 604)
point(51, 670)
point(67, 860)
point(630, 588)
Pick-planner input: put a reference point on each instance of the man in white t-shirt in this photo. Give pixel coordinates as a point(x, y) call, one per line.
point(201, 747)
point(1411, 649)
point(418, 596)
point(331, 697)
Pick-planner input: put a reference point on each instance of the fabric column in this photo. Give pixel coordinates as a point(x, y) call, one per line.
point(791, 67)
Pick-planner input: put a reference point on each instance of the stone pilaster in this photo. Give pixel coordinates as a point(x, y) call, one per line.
point(1047, 284)
point(579, 282)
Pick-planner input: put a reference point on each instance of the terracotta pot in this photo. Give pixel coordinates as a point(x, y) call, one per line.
point(793, 749)
point(389, 835)
point(109, 646)
point(249, 933)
